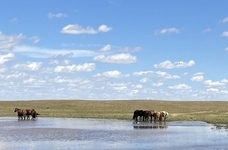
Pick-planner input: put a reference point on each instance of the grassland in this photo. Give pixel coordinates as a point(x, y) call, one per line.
point(215, 112)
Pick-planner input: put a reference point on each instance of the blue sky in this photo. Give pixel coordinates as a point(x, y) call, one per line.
point(114, 49)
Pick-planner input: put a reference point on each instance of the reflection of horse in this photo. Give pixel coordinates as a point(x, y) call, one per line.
point(21, 113)
point(158, 125)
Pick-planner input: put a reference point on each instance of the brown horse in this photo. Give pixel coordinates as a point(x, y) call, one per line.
point(28, 113)
point(34, 114)
point(152, 114)
point(21, 113)
point(142, 114)
point(158, 116)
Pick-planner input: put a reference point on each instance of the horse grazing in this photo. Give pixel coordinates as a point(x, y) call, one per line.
point(21, 113)
point(143, 114)
point(164, 115)
point(157, 116)
point(146, 115)
point(137, 113)
point(152, 114)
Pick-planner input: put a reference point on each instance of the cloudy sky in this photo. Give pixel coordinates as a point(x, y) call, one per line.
point(114, 49)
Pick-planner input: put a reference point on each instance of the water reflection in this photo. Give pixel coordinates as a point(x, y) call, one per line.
point(150, 125)
point(66, 133)
point(221, 127)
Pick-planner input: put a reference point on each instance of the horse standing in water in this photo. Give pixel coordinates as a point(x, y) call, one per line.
point(21, 113)
point(164, 115)
point(34, 114)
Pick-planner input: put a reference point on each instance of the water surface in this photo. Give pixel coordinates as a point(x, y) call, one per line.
point(65, 133)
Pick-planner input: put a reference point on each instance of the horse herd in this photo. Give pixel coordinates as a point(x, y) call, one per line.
point(26, 114)
point(144, 115)
point(138, 115)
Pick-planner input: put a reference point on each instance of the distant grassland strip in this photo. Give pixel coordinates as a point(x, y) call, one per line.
point(208, 111)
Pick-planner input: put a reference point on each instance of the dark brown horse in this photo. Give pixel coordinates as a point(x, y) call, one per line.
point(142, 114)
point(28, 113)
point(21, 113)
point(34, 114)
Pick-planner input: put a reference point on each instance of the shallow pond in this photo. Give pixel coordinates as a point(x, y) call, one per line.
point(59, 133)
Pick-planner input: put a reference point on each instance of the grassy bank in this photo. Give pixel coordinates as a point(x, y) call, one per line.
point(211, 112)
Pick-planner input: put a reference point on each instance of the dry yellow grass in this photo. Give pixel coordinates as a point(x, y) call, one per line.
point(208, 111)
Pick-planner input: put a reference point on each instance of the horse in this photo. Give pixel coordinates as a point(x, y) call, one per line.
point(143, 114)
point(21, 113)
point(34, 114)
point(138, 113)
point(152, 114)
point(146, 115)
point(157, 116)
point(164, 114)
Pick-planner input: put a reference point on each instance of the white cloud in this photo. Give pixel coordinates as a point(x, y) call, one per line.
point(169, 65)
point(224, 91)
point(138, 86)
point(28, 66)
point(157, 84)
point(17, 75)
point(87, 67)
point(143, 73)
point(225, 20)
point(8, 42)
point(106, 48)
point(207, 30)
point(122, 58)
point(167, 31)
point(77, 29)
point(225, 34)
point(226, 49)
point(35, 82)
point(2, 69)
point(224, 80)
point(6, 58)
point(58, 15)
point(35, 39)
point(180, 87)
point(129, 49)
point(157, 74)
point(104, 28)
point(212, 90)
point(110, 74)
point(210, 83)
point(144, 80)
point(165, 75)
point(13, 20)
point(118, 86)
point(37, 52)
point(198, 77)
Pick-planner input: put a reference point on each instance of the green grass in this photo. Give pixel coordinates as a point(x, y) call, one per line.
point(215, 112)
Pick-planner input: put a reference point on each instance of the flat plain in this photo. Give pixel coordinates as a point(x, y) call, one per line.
point(215, 112)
